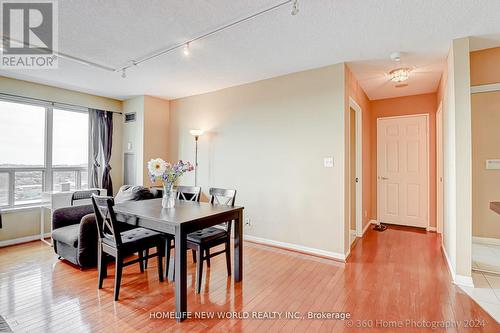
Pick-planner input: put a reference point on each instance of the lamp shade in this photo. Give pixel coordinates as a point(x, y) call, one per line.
point(196, 132)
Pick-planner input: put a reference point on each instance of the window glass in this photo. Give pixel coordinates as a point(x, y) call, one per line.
point(22, 135)
point(28, 187)
point(85, 180)
point(70, 138)
point(4, 189)
point(64, 177)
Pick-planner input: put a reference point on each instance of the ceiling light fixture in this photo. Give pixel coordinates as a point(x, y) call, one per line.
point(124, 73)
point(295, 7)
point(186, 50)
point(399, 74)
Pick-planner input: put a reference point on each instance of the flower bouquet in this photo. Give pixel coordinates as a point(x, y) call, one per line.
point(167, 174)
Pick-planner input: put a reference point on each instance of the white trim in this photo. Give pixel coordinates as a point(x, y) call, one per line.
point(439, 169)
point(485, 88)
point(300, 248)
point(21, 240)
point(460, 280)
point(426, 115)
point(359, 164)
point(485, 240)
point(431, 229)
point(366, 227)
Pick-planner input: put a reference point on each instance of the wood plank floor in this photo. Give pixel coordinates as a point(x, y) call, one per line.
point(399, 274)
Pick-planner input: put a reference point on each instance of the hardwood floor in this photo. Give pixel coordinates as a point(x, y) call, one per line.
point(399, 274)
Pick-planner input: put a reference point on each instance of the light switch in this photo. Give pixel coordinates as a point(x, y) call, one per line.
point(129, 146)
point(328, 162)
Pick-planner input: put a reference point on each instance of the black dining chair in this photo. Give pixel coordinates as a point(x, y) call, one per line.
point(203, 240)
point(83, 195)
point(188, 193)
point(118, 244)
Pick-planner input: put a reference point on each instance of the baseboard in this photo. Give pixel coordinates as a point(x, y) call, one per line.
point(21, 240)
point(486, 240)
point(372, 222)
point(460, 280)
point(431, 229)
point(297, 248)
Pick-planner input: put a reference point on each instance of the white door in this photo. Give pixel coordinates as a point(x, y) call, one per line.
point(402, 167)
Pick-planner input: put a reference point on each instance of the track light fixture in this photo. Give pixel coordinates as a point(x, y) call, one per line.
point(295, 7)
point(186, 50)
point(185, 45)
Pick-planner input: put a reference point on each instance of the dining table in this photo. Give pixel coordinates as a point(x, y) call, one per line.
point(184, 218)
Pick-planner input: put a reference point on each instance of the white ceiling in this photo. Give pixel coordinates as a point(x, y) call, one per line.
point(113, 32)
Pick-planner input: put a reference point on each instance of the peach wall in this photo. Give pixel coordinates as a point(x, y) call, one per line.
point(354, 90)
point(400, 106)
point(485, 66)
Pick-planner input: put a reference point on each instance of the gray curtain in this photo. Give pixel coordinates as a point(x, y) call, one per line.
point(106, 129)
point(95, 144)
point(101, 132)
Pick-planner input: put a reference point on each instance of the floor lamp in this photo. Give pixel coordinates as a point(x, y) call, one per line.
point(196, 133)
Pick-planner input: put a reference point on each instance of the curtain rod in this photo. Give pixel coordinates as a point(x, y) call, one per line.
point(52, 102)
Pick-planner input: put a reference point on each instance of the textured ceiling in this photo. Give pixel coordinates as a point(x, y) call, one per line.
point(114, 32)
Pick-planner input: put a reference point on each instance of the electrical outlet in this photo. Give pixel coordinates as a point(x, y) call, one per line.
point(248, 223)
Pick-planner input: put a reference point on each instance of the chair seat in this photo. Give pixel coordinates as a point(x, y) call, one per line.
point(135, 235)
point(67, 235)
point(206, 235)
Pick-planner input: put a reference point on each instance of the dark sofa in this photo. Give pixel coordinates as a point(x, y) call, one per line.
point(74, 229)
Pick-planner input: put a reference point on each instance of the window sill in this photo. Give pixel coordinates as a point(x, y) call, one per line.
point(21, 209)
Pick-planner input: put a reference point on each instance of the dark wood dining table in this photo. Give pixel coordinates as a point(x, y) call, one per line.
point(184, 218)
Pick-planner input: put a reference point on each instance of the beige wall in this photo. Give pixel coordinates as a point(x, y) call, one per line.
point(267, 140)
point(17, 224)
point(402, 106)
point(454, 93)
point(485, 145)
point(485, 66)
point(148, 135)
point(485, 69)
point(156, 124)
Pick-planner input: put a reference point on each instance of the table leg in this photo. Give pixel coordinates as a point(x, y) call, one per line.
point(238, 247)
point(180, 274)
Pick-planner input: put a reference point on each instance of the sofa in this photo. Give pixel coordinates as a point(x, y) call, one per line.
point(74, 229)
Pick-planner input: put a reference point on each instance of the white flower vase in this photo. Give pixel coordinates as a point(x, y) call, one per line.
point(169, 196)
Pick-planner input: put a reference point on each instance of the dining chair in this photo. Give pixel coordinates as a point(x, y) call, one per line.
point(188, 193)
point(119, 245)
point(203, 240)
point(83, 195)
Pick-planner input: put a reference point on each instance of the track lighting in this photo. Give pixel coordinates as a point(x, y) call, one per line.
point(295, 7)
point(186, 50)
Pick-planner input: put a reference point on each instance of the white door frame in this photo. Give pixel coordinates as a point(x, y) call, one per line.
point(359, 166)
point(428, 166)
point(439, 169)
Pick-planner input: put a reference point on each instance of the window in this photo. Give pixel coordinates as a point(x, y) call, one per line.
point(41, 148)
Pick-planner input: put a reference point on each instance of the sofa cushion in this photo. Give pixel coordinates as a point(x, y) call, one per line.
point(67, 235)
point(133, 193)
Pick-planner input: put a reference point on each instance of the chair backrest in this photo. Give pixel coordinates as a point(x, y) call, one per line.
point(221, 196)
point(188, 193)
point(107, 224)
point(83, 195)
